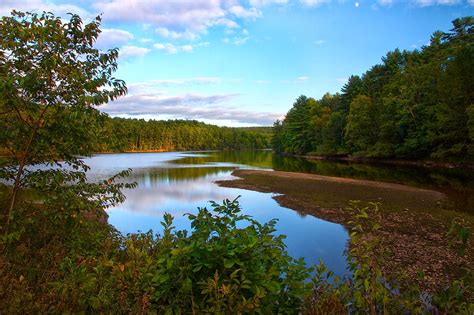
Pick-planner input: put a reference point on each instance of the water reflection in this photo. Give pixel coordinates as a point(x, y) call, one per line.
point(180, 183)
point(457, 184)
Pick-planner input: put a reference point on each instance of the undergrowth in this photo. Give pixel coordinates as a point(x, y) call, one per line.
point(62, 257)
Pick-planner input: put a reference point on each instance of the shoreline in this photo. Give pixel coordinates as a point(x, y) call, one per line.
point(414, 225)
point(335, 158)
point(383, 161)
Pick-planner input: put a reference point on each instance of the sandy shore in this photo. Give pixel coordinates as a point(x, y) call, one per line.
point(414, 225)
point(330, 179)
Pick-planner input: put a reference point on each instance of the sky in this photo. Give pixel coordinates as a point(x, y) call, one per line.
point(244, 62)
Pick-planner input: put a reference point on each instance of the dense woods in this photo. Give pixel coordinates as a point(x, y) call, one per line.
point(119, 134)
point(413, 105)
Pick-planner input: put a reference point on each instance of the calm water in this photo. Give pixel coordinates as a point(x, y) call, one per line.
point(179, 183)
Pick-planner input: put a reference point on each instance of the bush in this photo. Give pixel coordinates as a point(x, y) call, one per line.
point(229, 263)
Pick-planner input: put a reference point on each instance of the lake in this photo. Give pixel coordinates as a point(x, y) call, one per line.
point(180, 182)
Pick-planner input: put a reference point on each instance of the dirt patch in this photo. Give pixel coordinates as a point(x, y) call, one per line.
point(415, 220)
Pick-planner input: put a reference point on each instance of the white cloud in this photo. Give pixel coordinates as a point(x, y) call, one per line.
point(448, 2)
point(320, 42)
point(177, 19)
point(471, 2)
point(164, 32)
point(237, 40)
point(168, 47)
point(314, 3)
point(111, 37)
point(38, 6)
point(302, 78)
point(187, 106)
point(171, 48)
point(242, 12)
point(426, 3)
point(132, 51)
point(168, 82)
point(240, 40)
point(227, 23)
point(261, 3)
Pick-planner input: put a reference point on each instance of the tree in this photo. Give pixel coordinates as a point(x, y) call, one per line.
point(361, 130)
point(296, 130)
point(412, 105)
point(51, 79)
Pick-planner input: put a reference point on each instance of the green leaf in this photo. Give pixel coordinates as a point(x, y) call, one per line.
point(228, 263)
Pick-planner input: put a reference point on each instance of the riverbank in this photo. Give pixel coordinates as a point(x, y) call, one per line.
point(375, 161)
point(414, 225)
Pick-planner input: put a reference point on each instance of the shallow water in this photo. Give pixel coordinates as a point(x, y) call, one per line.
point(179, 183)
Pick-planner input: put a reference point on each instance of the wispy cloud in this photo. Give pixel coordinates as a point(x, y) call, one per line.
point(240, 40)
point(227, 23)
point(111, 37)
point(261, 3)
point(179, 19)
point(237, 39)
point(314, 3)
point(171, 48)
point(320, 42)
point(166, 33)
point(385, 2)
point(133, 51)
point(170, 82)
point(302, 78)
point(424, 3)
point(297, 80)
point(187, 106)
point(38, 6)
point(242, 12)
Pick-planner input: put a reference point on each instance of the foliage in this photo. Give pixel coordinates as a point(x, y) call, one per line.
point(369, 290)
point(51, 77)
point(459, 234)
point(229, 263)
point(415, 104)
point(120, 134)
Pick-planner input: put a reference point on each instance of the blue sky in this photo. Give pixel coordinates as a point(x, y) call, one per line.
point(243, 63)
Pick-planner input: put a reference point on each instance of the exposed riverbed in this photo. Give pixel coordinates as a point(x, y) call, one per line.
point(309, 208)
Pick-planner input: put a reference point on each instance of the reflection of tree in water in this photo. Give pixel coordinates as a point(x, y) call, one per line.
point(456, 183)
point(261, 158)
point(177, 174)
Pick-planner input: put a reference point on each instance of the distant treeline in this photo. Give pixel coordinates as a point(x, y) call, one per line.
point(415, 105)
point(120, 134)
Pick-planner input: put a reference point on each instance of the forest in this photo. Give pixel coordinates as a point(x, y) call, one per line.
point(121, 134)
point(413, 105)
